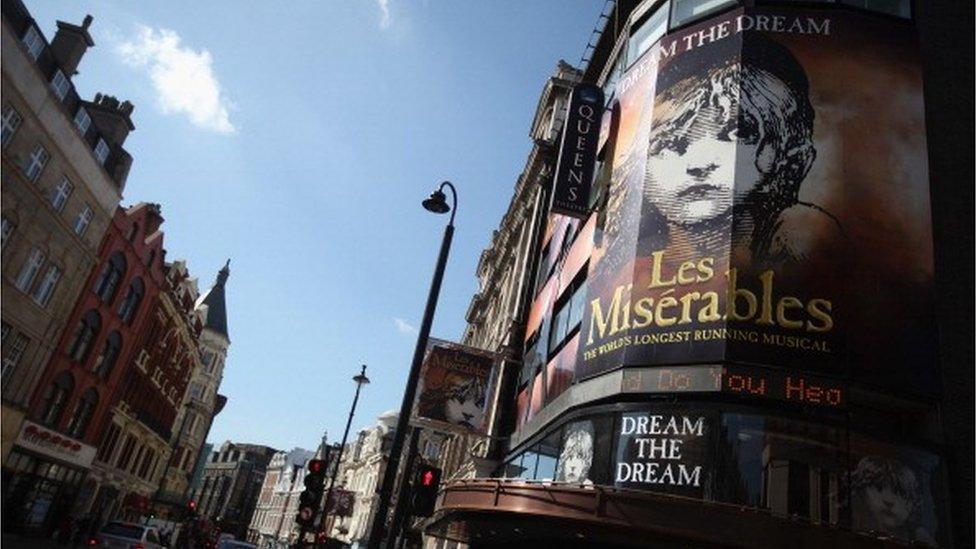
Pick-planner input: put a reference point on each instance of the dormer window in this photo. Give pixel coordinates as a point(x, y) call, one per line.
point(60, 84)
point(101, 151)
point(82, 120)
point(33, 42)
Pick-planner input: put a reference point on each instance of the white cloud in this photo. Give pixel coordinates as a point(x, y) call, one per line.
point(385, 19)
point(183, 78)
point(403, 326)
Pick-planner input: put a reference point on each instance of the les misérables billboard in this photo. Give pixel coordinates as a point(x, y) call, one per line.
point(769, 202)
point(454, 388)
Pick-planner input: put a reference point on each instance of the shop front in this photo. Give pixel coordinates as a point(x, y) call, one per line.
point(42, 478)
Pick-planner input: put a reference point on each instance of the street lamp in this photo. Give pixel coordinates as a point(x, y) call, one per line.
point(360, 380)
point(436, 203)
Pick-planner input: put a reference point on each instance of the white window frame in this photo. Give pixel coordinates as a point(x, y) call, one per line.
point(83, 220)
point(61, 194)
point(6, 230)
point(60, 84)
point(101, 151)
point(82, 120)
point(10, 122)
point(34, 42)
point(45, 288)
point(28, 272)
point(36, 163)
point(14, 353)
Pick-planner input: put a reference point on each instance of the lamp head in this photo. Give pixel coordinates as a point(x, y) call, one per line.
point(436, 203)
point(361, 379)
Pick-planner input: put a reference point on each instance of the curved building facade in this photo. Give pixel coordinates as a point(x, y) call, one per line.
point(737, 345)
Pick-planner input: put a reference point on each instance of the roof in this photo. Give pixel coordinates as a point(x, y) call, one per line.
point(216, 303)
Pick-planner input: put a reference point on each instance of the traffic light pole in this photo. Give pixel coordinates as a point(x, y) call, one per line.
point(338, 458)
point(401, 513)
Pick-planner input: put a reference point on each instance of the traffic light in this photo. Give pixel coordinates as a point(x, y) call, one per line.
point(425, 487)
point(191, 508)
point(308, 500)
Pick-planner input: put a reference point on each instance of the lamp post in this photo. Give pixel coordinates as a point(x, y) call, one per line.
point(360, 380)
point(436, 203)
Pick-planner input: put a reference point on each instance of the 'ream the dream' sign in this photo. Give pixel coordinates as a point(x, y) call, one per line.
point(662, 452)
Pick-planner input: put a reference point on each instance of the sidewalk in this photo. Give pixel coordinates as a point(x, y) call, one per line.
point(15, 541)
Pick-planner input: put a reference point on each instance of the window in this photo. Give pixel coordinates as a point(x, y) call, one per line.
point(13, 353)
point(196, 390)
point(82, 120)
point(33, 42)
point(43, 292)
point(685, 11)
point(108, 443)
point(646, 32)
point(899, 8)
point(6, 231)
point(34, 164)
point(83, 220)
point(110, 353)
point(101, 151)
point(83, 413)
point(61, 193)
point(30, 269)
point(55, 398)
point(130, 303)
point(10, 122)
point(126, 452)
point(568, 315)
point(112, 273)
point(60, 84)
point(88, 328)
point(150, 258)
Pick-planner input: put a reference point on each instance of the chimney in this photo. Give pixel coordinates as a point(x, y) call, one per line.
point(70, 44)
point(154, 218)
point(113, 119)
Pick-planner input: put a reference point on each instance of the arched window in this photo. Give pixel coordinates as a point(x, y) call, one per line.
point(130, 303)
point(85, 335)
point(83, 413)
point(110, 353)
point(133, 232)
point(108, 281)
point(55, 398)
point(150, 258)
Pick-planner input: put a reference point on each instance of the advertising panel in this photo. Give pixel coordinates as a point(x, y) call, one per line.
point(769, 203)
point(454, 386)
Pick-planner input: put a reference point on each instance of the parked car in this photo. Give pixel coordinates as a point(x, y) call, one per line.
point(230, 543)
point(125, 535)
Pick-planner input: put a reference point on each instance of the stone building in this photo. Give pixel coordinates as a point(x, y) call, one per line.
point(232, 481)
point(273, 524)
point(64, 169)
point(659, 404)
point(360, 472)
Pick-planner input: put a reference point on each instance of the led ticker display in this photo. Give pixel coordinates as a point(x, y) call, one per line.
point(738, 380)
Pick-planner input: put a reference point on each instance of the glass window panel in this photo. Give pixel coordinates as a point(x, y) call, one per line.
point(647, 32)
point(899, 8)
point(684, 11)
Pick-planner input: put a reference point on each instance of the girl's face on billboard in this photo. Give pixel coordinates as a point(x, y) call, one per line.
point(697, 169)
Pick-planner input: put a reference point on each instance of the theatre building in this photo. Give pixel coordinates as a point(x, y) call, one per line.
point(737, 333)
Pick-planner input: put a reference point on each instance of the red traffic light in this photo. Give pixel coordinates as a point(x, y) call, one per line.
point(428, 478)
point(192, 505)
point(316, 465)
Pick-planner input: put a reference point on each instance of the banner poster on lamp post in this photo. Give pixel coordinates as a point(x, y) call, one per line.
point(455, 388)
point(769, 203)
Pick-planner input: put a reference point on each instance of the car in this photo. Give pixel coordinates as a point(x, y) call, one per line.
point(125, 535)
point(230, 543)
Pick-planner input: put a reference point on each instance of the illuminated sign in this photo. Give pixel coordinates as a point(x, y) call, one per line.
point(663, 451)
point(737, 380)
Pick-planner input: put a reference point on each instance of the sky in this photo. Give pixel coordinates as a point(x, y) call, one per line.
point(297, 139)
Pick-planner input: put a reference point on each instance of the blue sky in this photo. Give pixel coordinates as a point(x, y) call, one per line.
point(299, 142)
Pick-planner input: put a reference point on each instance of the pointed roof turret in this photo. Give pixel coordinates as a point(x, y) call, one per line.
point(216, 303)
